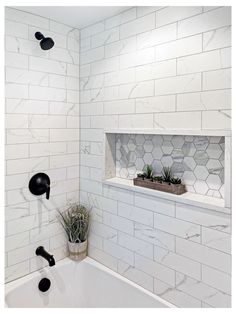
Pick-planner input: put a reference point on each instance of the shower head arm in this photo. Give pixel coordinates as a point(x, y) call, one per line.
point(39, 35)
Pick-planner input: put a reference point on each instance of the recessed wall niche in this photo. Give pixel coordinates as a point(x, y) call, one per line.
point(197, 160)
point(201, 158)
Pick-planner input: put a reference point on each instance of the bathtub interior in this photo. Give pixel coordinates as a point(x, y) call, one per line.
point(87, 284)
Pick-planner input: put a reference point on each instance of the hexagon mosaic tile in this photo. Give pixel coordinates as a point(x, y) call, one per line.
point(197, 160)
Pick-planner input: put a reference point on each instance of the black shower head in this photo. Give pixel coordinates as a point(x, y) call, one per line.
point(45, 42)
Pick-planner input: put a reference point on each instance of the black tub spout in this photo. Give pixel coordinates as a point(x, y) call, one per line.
point(40, 251)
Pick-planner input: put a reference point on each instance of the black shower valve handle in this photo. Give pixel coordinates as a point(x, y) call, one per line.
point(40, 184)
point(47, 192)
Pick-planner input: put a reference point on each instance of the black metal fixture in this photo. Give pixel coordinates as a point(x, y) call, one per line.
point(46, 43)
point(40, 184)
point(40, 251)
point(44, 284)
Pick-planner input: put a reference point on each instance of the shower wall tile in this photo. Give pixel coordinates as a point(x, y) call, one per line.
point(185, 53)
point(42, 109)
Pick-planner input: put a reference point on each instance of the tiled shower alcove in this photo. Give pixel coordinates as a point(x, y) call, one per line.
point(197, 160)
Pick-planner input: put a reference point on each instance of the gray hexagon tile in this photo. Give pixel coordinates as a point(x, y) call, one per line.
point(197, 160)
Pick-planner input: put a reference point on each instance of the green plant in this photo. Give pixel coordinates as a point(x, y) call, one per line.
point(167, 174)
point(148, 171)
point(176, 181)
point(158, 178)
point(75, 221)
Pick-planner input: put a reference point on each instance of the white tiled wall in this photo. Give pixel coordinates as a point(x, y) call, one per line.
point(42, 133)
point(164, 68)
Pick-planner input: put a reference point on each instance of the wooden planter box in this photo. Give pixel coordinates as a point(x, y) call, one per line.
point(160, 186)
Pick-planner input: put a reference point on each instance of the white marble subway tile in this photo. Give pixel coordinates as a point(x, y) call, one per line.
point(45, 232)
point(72, 122)
point(208, 100)
point(104, 121)
point(92, 30)
point(155, 104)
point(177, 262)
point(120, 47)
point(226, 57)
point(26, 106)
point(16, 60)
point(92, 134)
point(47, 149)
point(91, 160)
point(15, 197)
point(156, 205)
point(73, 44)
point(204, 255)
point(64, 160)
point(155, 236)
point(60, 28)
point(64, 108)
point(175, 296)
point(104, 231)
point(118, 252)
point(21, 136)
point(155, 70)
point(16, 181)
point(220, 119)
point(144, 10)
point(24, 253)
point(217, 38)
point(217, 279)
point(62, 135)
point(27, 18)
point(105, 65)
point(47, 93)
point(178, 84)
point(55, 80)
point(120, 77)
point(206, 61)
point(65, 186)
point(201, 216)
point(91, 186)
point(218, 79)
point(73, 172)
point(16, 151)
point(16, 241)
point(119, 223)
point(178, 120)
point(16, 90)
point(136, 121)
point(157, 36)
point(135, 245)
point(205, 22)
point(46, 122)
point(136, 58)
point(92, 82)
point(92, 55)
point(137, 26)
point(198, 289)
point(59, 242)
point(95, 241)
point(27, 165)
point(48, 66)
point(178, 227)
point(16, 121)
point(123, 17)
point(155, 269)
point(179, 48)
point(63, 55)
point(21, 76)
point(123, 106)
point(217, 240)
point(135, 275)
point(26, 223)
point(16, 271)
point(104, 38)
point(173, 14)
point(135, 214)
point(16, 29)
point(136, 90)
point(74, 70)
point(16, 211)
point(102, 257)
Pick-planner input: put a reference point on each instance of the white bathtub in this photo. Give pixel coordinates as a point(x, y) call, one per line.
point(85, 284)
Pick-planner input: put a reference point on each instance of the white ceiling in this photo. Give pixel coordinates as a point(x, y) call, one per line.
point(79, 16)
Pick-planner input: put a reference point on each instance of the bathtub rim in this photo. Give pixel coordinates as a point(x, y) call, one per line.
point(12, 285)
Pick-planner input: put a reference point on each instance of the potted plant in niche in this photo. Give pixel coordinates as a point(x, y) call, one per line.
point(75, 221)
point(165, 183)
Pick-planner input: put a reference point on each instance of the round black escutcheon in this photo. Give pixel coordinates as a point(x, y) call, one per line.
point(44, 284)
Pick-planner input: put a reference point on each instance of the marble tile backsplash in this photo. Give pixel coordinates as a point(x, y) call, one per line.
point(197, 160)
point(42, 135)
point(158, 68)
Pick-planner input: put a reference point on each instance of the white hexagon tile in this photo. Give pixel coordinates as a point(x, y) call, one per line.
point(197, 160)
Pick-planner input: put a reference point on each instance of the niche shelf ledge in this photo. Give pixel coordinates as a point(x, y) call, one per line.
point(207, 202)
